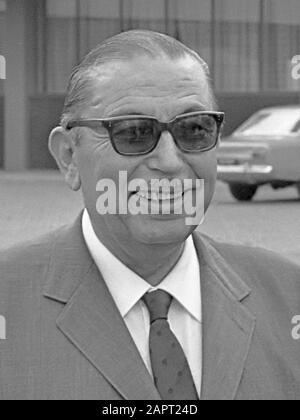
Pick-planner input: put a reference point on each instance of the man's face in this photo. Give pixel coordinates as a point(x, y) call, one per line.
point(163, 89)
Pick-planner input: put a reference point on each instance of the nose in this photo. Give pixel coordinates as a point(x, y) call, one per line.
point(166, 157)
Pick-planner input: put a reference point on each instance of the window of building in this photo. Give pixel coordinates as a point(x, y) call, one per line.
point(191, 24)
point(248, 45)
point(74, 27)
point(281, 36)
point(236, 45)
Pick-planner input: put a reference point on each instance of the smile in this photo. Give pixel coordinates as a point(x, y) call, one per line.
point(159, 196)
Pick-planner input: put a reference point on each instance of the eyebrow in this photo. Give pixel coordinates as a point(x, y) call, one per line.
point(194, 108)
point(133, 111)
point(126, 111)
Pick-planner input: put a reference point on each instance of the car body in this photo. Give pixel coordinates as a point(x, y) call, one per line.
point(263, 150)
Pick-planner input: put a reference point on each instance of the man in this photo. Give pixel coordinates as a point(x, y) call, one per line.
point(139, 306)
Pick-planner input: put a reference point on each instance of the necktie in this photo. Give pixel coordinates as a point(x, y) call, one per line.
point(172, 375)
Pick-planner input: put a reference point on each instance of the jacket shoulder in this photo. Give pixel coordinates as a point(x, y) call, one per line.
point(29, 251)
point(266, 272)
point(243, 254)
point(26, 263)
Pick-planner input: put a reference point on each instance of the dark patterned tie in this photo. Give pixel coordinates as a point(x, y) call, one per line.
point(172, 375)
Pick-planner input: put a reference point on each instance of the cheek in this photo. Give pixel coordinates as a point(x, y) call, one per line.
point(89, 169)
point(205, 166)
point(101, 164)
point(95, 160)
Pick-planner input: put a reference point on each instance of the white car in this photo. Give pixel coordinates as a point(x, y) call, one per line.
point(263, 150)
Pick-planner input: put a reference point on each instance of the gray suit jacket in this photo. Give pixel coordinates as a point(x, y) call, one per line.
point(67, 340)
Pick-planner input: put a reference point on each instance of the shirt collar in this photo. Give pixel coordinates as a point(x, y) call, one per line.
point(127, 287)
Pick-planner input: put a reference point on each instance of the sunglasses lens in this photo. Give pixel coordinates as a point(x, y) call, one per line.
point(193, 133)
point(135, 136)
point(196, 133)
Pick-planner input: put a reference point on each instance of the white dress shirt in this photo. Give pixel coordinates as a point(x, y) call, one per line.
point(127, 289)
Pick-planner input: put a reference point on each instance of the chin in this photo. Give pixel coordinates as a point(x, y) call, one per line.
point(159, 231)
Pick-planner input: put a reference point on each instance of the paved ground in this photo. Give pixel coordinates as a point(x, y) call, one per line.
point(34, 202)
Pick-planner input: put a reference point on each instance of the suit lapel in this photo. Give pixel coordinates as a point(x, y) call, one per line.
point(93, 324)
point(91, 320)
point(227, 325)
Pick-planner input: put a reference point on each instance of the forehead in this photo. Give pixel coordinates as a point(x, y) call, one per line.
point(145, 85)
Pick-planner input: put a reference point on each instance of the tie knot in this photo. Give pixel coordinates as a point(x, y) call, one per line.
point(158, 304)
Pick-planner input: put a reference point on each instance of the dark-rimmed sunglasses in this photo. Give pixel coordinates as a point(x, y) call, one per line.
point(138, 135)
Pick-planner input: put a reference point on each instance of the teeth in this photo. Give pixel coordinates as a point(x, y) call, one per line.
point(142, 194)
point(155, 196)
point(166, 196)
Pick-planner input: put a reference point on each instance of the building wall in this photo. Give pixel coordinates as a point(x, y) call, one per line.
point(248, 47)
point(2, 40)
point(1, 131)
point(248, 44)
point(44, 114)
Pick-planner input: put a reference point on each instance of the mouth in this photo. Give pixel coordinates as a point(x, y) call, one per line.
point(159, 196)
point(167, 202)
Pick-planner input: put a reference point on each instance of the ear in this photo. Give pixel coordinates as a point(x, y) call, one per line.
point(62, 149)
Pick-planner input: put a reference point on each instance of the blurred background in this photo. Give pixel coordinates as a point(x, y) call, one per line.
point(248, 45)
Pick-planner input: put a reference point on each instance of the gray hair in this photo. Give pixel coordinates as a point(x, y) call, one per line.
point(124, 46)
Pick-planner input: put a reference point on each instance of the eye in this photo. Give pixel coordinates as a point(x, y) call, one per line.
point(145, 130)
point(196, 129)
point(191, 129)
point(200, 126)
point(133, 130)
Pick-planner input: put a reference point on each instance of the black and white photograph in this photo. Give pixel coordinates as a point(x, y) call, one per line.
point(149, 202)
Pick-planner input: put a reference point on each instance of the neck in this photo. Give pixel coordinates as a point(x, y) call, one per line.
point(157, 264)
point(152, 262)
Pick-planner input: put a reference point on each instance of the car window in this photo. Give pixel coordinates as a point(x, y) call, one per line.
point(273, 122)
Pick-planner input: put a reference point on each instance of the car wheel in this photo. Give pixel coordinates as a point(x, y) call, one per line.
point(243, 192)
